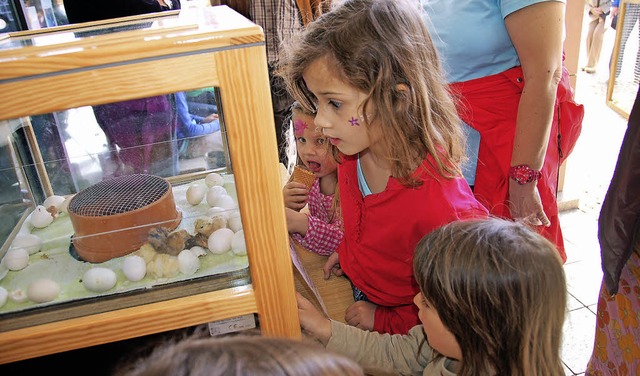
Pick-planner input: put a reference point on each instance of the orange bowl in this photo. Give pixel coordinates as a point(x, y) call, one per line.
point(113, 218)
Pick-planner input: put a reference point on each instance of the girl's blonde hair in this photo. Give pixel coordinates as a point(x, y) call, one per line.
point(383, 48)
point(243, 354)
point(500, 288)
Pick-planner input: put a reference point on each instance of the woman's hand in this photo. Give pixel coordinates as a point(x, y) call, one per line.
point(525, 204)
point(332, 266)
point(313, 321)
point(296, 195)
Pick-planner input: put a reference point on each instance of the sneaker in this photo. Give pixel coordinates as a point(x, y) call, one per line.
point(590, 70)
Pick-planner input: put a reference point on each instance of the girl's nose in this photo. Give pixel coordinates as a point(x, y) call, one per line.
point(320, 122)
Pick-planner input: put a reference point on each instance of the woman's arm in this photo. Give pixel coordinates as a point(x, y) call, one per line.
point(537, 34)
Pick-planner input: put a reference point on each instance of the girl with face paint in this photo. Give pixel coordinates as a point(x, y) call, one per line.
point(320, 230)
point(371, 73)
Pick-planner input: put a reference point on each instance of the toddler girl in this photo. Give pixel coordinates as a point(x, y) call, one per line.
point(371, 71)
point(321, 230)
point(492, 301)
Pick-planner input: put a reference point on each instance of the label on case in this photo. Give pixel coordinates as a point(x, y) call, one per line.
point(233, 324)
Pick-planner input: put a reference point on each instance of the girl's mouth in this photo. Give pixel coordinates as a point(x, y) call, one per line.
point(334, 141)
point(314, 166)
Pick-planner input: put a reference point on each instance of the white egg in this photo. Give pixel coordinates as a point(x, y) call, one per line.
point(238, 244)
point(54, 201)
point(217, 211)
point(31, 243)
point(188, 262)
point(220, 241)
point(64, 207)
point(198, 251)
point(214, 193)
point(40, 217)
point(99, 279)
point(43, 290)
point(195, 194)
point(235, 222)
point(18, 296)
point(26, 227)
point(214, 179)
point(4, 294)
point(134, 268)
point(226, 202)
point(16, 259)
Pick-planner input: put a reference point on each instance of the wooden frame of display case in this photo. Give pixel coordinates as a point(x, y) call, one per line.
point(133, 64)
point(614, 58)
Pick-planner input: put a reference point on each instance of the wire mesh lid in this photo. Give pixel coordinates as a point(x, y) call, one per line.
point(119, 195)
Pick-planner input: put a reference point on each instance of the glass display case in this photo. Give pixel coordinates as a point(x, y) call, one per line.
point(623, 81)
point(141, 189)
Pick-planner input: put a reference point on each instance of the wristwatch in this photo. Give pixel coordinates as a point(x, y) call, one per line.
point(524, 174)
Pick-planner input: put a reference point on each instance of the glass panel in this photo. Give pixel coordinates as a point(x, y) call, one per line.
point(624, 80)
point(91, 187)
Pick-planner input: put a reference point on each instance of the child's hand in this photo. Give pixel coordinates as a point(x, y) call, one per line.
point(361, 314)
point(312, 320)
point(296, 195)
point(297, 222)
point(332, 266)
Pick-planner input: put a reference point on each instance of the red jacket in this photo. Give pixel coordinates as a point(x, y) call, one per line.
point(381, 233)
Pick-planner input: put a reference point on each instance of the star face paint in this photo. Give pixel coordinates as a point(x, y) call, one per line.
point(299, 127)
point(354, 122)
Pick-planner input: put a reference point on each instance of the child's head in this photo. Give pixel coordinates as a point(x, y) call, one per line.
point(493, 295)
point(371, 71)
point(241, 355)
point(311, 147)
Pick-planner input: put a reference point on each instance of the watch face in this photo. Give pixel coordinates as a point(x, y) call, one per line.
point(523, 174)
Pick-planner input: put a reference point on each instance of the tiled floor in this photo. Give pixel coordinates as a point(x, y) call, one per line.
point(589, 171)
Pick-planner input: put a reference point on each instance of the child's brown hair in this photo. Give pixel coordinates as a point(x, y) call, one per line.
point(242, 354)
point(500, 288)
point(383, 49)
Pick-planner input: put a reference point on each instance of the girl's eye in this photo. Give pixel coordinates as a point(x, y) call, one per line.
point(335, 103)
point(321, 141)
point(301, 140)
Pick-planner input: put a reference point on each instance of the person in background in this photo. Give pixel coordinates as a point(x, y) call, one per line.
point(631, 16)
point(241, 354)
point(616, 349)
point(190, 125)
point(503, 62)
point(85, 11)
point(492, 301)
point(370, 71)
point(597, 12)
point(140, 133)
point(280, 19)
point(320, 230)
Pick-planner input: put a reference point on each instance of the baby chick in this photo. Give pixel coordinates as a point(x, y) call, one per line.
point(167, 242)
